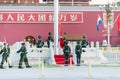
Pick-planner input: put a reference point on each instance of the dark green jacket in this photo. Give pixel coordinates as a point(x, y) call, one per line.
point(23, 50)
point(8, 51)
point(66, 50)
point(84, 43)
point(78, 49)
point(4, 51)
point(49, 39)
point(40, 44)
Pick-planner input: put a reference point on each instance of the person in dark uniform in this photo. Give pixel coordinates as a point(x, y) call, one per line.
point(8, 53)
point(40, 43)
point(23, 56)
point(67, 52)
point(84, 42)
point(5, 54)
point(49, 39)
point(78, 52)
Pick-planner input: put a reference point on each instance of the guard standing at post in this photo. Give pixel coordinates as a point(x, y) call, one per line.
point(67, 52)
point(78, 52)
point(49, 39)
point(84, 42)
point(23, 56)
point(40, 43)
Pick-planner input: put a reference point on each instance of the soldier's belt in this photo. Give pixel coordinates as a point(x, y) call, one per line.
point(67, 51)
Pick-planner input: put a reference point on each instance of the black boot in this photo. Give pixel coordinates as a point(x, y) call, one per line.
point(20, 67)
point(1, 67)
point(10, 66)
point(28, 66)
point(78, 65)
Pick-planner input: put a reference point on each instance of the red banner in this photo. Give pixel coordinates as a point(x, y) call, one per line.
point(39, 17)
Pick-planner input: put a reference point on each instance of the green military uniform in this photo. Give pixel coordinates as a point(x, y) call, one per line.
point(49, 39)
point(66, 51)
point(40, 43)
point(5, 54)
point(8, 50)
point(23, 56)
point(78, 51)
point(84, 42)
point(8, 53)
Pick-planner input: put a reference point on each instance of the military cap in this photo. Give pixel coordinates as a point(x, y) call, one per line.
point(66, 42)
point(39, 36)
point(23, 43)
point(49, 33)
point(84, 37)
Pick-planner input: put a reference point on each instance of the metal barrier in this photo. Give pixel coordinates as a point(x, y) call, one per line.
point(112, 54)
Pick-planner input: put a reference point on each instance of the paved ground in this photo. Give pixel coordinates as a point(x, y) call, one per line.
point(61, 73)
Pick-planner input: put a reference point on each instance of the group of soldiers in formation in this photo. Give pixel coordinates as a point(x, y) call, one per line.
point(23, 51)
point(78, 50)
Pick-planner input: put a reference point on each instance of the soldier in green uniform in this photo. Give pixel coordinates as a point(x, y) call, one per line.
point(8, 50)
point(67, 52)
point(78, 52)
point(84, 42)
point(40, 43)
point(49, 39)
point(5, 54)
point(23, 56)
point(8, 53)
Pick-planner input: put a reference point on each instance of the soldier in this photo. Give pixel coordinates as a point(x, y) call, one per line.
point(8, 53)
point(49, 39)
point(78, 52)
point(5, 55)
point(40, 43)
point(84, 42)
point(23, 56)
point(66, 51)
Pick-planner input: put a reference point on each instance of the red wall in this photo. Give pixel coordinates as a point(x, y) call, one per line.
point(17, 32)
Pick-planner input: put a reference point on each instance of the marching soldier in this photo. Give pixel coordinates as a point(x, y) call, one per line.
point(5, 54)
point(78, 52)
point(67, 52)
point(23, 56)
point(8, 53)
point(40, 43)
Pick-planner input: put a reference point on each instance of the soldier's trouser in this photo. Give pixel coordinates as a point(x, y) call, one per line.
point(48, 43)
point(23, 57)
point(78, 58)
point(66, 59)
point(4, 58)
